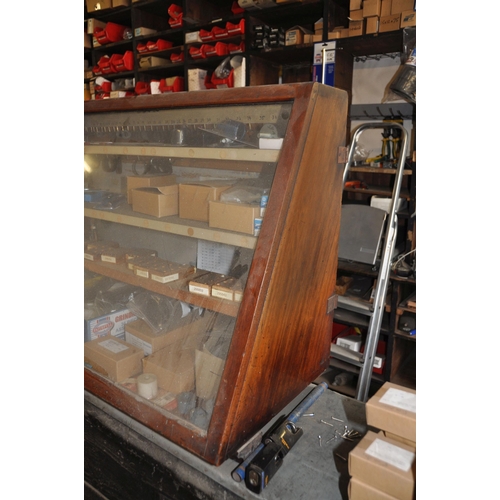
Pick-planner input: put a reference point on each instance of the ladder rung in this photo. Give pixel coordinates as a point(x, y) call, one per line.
point(354, 305)
point(347, 355)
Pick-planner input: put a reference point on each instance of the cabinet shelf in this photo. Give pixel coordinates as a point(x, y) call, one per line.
point(262, 155)
point(176, 290)
point(377, 170)
point(173, 225)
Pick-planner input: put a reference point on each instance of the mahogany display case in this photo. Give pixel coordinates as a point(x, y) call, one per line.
point(245, 355)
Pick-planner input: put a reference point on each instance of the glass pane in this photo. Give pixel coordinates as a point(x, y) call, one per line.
point(174, 200)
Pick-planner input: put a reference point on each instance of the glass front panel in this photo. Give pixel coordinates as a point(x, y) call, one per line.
point(174, 200)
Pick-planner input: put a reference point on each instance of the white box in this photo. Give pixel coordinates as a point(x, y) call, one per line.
point(196, 79)
point(143, 31)
point(108, 324)
point(193, 37)
point(385, 203)
point(352, 342)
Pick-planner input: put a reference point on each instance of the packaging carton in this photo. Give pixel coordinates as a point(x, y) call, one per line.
point(385, 465)
point(138, 181)
point(186, 335)
point(400, 6)
point(372, 24)
point(393, 409)
point(389, 23)
point(238, 217)
point(371, 8)
point(109, 324)
point(113, 357)
point(408, 18)
point(98, 5)
point(194, 198)
point(295, 35)
point(208, 372)
point(361, 491)
point(356, 28)
point(174, 369)
point(152, 61)
point(160, 201)
point(385, 9)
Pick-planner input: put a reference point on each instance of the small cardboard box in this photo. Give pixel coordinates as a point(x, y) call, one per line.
point(361, 491)
point(372, 24)
point(138, 181)
point(208, 372)
point(186, 335)
point(408, 18)
point(160, 201)
point(385, 10)
point(295, 35)
point(389, 23)
point(113, 357)
point(400, 6)
point(120, 3)
point(356, 15)
point(194, 198)
point(152, 62)
point(98, 5)
point(109, 324)
point(174, 369)
point(92, 24)
point(225, 289)
point(238, 217)
point(355, 4)
point(385, 465)
point(203, 283)
point(356, 28)
point(143, 31)
point(352, 342)
point(371, 8)
point(393, 409)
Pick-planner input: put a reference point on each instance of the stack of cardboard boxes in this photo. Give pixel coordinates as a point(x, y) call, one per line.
point(376, 16)
point(383, 464)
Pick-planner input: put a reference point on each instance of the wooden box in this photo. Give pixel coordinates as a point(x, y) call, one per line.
point(274, 339)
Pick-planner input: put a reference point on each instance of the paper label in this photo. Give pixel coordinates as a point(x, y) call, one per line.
point(141, 344)
point(88, 256)
point(199, 289)
point(165, 279)
point(108, 258)
point(113, 346)
point(391, 454)
point(143, 274)
point(400, 399)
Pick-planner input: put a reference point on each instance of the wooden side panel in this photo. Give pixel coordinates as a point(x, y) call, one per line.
point(292, 343)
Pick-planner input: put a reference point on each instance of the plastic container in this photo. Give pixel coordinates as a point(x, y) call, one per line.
point(206, 36)
point(222, 83)
point(175, 84)
point(142, 88)
point(219, 49)
point(175, 22)
point(112, 32)
point(196, 52)
point(236, 29)
point(142, 47)
point(164, 44)
point(219, 32)
point(177, 57)
point(236, 47)
point(174, 11)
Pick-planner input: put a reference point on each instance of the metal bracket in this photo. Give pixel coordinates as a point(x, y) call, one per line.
point(331, 303)
point(342, 154)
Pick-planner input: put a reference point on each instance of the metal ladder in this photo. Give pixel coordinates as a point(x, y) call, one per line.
point(365, 360)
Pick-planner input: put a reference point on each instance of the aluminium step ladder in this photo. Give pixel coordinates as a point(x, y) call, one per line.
point(375, 310)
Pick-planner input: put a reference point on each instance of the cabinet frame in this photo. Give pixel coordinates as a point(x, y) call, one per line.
point(281, 341)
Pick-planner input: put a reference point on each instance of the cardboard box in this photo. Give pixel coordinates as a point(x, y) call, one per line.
point(225, 289)
point(372, 24)
point(87, 42)
point(203, 283)
point(112, 324)
point(92, 24)
point(188, 334)
point(143, 31)
point(385, 9)
point(356, 28)
point(355, 4)
point(152, 62)
point(164, 271)
point(408, 18)
point(385, 465)
point(239, 217)
point(174, 369)
point(400, 6)
point(329, 51)
point(393, 409)
point(357, 490)
point(194, 198)
point(352, 342)
point(113, 357)
point(120, 3)
point(138, 181)
point(356, 15)
point(93, 5)
point(160, 201)
point(295, 35)
point(371, 8)
point(208, 372)
point(114, 255)
point(389, 23)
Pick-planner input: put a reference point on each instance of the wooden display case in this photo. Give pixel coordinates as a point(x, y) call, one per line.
point(277, 333)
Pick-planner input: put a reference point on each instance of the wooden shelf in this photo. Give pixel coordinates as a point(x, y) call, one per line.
point(243, 154)
point(172, 225)
point(378, 170)
point(176, 290)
